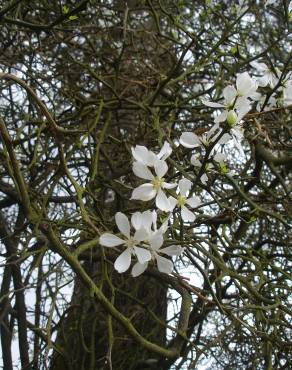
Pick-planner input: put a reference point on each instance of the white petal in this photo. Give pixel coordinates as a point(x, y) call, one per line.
point(164, 265)
point(141, 235)
point(219, 157)
point(189, 140)
point(193, 202)
point(204, 179)
point(123, 262)
point(224, 139)
point(212, 104)
point(123, 223)
point(222, 117)
point(187, 215)
point(229, 93)
point(152, 158)
point(212, 130)
point(163, 228)
point(242, 104)
point(160, 168)
point(142, 171)
point(263, 81)
point(144, 192)
point(140, 154)
point(156, 240)
point(147, 220)
point(143, 255)
point(244, 83)
point(184, 186)
point(165, 151)
point(110, 240)
point(139, 268)
point(162, 201)
point(136, 220)
point(262, 67)
point(154, 219)
point(172, 250)
point(167, 185)
point(195, 161)
point(172, 203)
point(255, 95)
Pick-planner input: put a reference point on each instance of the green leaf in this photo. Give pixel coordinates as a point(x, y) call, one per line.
point(65, 9)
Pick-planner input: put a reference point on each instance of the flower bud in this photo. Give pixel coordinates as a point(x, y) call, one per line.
point(231, 118)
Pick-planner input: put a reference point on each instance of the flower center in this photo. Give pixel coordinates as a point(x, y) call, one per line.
point(181, 200)
point(157, 182)
point(130, 243)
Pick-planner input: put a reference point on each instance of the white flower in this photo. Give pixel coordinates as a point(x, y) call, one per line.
point(269, 77)
point(182, 201)
point(241, 104)
point(247, 86)
point(154, 188)
point(155, 241)
point(236, 99)
point(164, 265)
point(195, 160)
point(147, 157)
point(191, 140)
point(143, 255)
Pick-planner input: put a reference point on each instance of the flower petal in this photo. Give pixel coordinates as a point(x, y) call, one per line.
point(187, 215)
point(229, 93)
point(244, 84)
point(142, 171)
point(195, 161)
point(221, 117)
point(212, 104)
point(204, 179)
point(123, 262)
point(110, 240)
point(189, 140)
point(161, 168)
point(172, 250)
point(140, 154)
point(167, 185)
point(123, 224)
point(224, 139)
point(164, 265)
point(193, 202)
point(139, 268)
point(165, 151)
point(156, 240)
point(162, 201)
point(143, 255)
point(219, 157)
point(184, 186)
point(147, 220)
point(136, 220)
point(144, 192)
point(141, 235)
point(154, 219)
point(172, 203)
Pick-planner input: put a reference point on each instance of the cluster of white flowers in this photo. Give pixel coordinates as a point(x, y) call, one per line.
point(145, 244)
point(145, 241)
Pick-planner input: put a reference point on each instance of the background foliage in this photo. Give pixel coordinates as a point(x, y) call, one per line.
point(81, 83)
